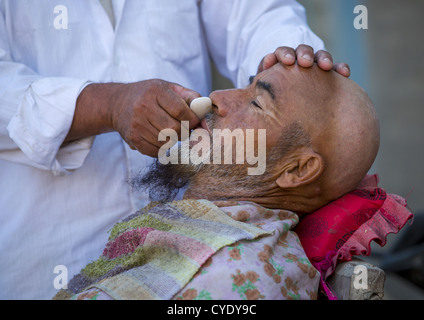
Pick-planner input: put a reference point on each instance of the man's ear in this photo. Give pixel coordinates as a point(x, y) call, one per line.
point(301, 168)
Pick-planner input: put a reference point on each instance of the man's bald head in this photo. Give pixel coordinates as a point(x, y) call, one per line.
point(350, 137)
point(340, 120)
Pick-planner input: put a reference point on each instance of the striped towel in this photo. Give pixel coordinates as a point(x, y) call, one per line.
point(155, 252)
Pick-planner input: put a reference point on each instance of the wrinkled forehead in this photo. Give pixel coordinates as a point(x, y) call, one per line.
point(285, 80)
point(276, 72)
point(308, 84)
point(273, 81)
point(306, 95)
point(287, 83)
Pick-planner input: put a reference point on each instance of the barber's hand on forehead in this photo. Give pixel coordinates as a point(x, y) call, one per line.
point(151, 106)
point(305, 57)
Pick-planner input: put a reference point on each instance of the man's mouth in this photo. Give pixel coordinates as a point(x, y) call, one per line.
point(204, 125)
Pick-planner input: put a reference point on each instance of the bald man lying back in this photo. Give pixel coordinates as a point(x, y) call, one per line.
point(230, 237)
point(322, 136)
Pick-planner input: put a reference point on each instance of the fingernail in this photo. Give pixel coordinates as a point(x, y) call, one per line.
point(307, 57)
point(327, 60)
point(288, 56)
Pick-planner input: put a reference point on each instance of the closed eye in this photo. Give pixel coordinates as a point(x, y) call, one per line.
point(256, 104)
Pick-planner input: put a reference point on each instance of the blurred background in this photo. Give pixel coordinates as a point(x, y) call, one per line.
point(385, 60)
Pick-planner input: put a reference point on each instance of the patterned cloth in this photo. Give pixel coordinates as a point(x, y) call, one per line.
point(251, 250)
point(271, 268)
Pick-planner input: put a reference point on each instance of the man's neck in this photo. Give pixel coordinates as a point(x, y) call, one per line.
point(274, 198)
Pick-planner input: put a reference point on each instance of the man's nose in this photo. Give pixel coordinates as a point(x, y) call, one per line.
point(225, 101)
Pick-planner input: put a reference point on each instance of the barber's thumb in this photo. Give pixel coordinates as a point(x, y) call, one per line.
point(187, 95)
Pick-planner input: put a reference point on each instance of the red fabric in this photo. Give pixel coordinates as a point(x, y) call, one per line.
point(346, 226)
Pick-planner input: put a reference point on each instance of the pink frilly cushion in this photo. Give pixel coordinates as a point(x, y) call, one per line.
point(345, 227)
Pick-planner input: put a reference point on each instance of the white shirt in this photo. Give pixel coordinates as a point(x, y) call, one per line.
point(57, 203)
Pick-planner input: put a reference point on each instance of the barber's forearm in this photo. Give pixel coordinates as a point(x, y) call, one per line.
point(137, 111)
point(93, 112)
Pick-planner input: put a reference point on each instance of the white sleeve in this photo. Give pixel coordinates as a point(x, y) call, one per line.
point(241, 32)
point(36, 114)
